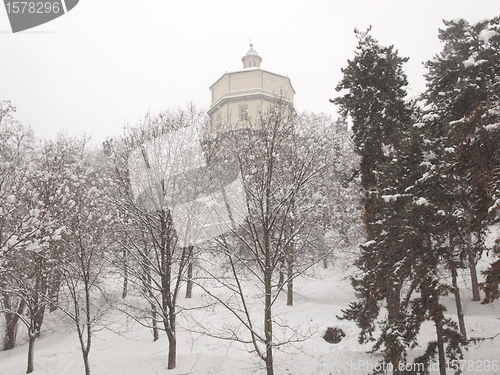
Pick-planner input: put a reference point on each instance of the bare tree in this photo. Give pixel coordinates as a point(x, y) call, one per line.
point(48, 189)
point(336, 211)
point(85, 240)
point(275, 167)
point(16, 220)
point(29, 277)
point(158, 166)
point(27, 284)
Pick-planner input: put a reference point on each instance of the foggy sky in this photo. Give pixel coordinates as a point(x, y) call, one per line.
point(107, 63)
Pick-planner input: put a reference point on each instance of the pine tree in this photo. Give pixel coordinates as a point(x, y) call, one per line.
point(382, 118)
point(406, 196)
point(463, 99)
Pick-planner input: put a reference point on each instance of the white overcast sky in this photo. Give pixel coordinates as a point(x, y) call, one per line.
point(106, 63)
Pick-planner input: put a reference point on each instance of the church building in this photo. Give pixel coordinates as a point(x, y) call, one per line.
point(237, 96)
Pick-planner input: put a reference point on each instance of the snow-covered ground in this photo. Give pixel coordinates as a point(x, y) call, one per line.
point(126, 348)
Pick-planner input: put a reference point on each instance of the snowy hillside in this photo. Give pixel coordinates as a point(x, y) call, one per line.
point(126, 348)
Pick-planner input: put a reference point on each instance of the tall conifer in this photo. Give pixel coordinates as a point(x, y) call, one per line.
point(463, 98)
point(373, 89)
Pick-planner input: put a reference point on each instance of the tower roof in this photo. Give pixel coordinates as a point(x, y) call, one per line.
point(251, 51)
point(251, 58)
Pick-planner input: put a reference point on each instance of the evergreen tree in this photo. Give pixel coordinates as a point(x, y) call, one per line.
point(406, 194)
point(463, 101)
point(381, 117)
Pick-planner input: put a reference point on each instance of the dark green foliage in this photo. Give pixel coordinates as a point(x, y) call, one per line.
point(382, 127)
point(463, 98)
point(408, 174)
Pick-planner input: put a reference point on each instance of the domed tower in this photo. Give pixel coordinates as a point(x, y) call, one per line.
point(251, 59)
point(238, 96)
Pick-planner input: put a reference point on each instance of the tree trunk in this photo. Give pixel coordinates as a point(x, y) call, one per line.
point(53, 292)
point(154, 319)
point(268, 325)
point(289, 271)
point(269, 360)
point(172, 340)
point(168, 304)
point(458, 302)
point(324, 246)
point(473, 276)
point(125, 273)
point(471, 255)
point(189, 285)
point(154, 313)
point(38, 320)
point(88, 325)
point(31, 352)
point(289, 292)
point(440, 345)
point(39, 297)
point(84, 330)
point(86, 362)
point(290, 260)
point(148, 290)
point(172, 351)
point(281, 280)
point(268, 319)
point(11, 324)
point(393, 301)
point(34, 333)
point(431, 297)
point(86, 348)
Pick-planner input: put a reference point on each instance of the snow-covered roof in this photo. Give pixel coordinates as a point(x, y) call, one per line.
point(253, 69)
point(251, 51)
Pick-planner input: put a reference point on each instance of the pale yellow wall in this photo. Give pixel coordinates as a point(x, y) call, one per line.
point(270, 83)
point(242, 85)
point(229, 113)
point(220, 87)
point(278, 84)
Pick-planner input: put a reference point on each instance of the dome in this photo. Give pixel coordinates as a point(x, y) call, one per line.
point(251, 59)
point(251, 51)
